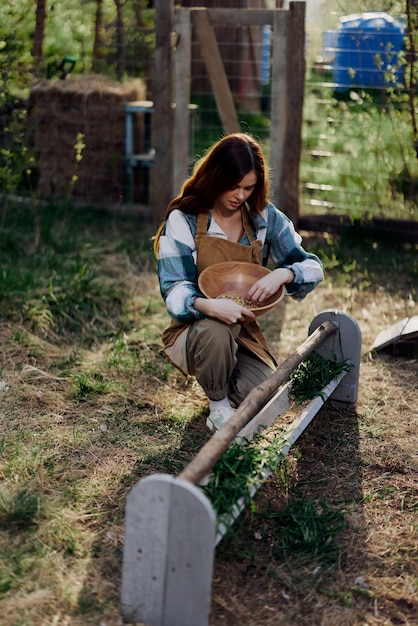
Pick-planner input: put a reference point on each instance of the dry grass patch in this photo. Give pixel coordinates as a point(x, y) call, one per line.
point(88, 406)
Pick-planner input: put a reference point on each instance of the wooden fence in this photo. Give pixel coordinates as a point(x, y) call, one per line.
point(173, 80)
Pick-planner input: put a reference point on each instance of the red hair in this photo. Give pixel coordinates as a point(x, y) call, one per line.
point(224, 165)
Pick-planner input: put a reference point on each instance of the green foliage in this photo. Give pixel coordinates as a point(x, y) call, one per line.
point(16, 29)
point(354, 151)
point(363, 261)
point(243, 465)
point(361, 146)
point(305, 528)
point(208, 125)
point(69, 31)
point(49, 272)
point(240, 469)
point(16, 157)
point(257, 124)
point(139, 38)
point(312, 375)
point(19, 509)
point(88, 384)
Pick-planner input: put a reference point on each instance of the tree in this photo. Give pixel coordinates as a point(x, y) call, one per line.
point(120, 40)
point(38, 39)
point(411, 65)
point(98, 36)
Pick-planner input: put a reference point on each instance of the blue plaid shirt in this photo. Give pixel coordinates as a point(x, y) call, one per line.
point(177, 270)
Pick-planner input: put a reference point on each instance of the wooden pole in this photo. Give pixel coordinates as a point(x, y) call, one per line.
point(39, 36)
point(295, 71)
point(278, 110)
point(182, 81)
point(216, 446)
point(162, 95)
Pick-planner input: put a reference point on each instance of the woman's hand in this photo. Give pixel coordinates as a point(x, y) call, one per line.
point(224, 310)
point(268, 285)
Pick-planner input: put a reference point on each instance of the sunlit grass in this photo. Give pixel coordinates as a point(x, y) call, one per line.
point(355, 155)
point(90, 408)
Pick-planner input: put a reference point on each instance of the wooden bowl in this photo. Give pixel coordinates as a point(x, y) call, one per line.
point(233, 279)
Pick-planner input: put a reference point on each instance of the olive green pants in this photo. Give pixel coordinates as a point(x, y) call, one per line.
point(220, 365)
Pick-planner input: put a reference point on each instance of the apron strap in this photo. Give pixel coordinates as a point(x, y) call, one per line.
point(202, 224)
point(247, 225)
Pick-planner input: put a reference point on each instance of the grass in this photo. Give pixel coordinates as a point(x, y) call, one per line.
point(243, 466)
point(305, 529)
point(49, 272)
point(375, 263)
point(358, 155)
point(240, 469)
point(312, 375)
point(19, 510)
point(89, 406)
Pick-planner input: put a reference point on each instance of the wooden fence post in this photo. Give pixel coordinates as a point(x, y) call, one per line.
point(163, 116)
point(278, 109)
point(295, 80)
point(182, 78)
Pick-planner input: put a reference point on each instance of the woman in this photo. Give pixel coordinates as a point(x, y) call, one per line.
point(223, 214)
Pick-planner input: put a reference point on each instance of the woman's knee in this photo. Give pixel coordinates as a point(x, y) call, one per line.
point(211, 333)
point(209, 339)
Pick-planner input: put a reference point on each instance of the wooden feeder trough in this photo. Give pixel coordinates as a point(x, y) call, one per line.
point(171, 528)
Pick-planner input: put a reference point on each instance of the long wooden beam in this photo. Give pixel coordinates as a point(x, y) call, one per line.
point(219, 442)
point(290, 435)
point(241, 17)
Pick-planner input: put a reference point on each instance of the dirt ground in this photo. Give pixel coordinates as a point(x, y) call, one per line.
point(363, 462)
point(366, 461)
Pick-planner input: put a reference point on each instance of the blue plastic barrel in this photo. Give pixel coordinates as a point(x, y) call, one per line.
point(367, 52)
point(265, 55)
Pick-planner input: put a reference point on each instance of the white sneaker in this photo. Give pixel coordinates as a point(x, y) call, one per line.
point(219, 417)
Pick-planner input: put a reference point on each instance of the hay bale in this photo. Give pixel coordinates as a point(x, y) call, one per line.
point(59, 111)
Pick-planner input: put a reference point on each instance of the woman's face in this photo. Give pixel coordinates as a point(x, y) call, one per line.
point(231, 200)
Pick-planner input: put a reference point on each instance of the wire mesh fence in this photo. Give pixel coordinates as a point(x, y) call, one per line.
point(65, 128)
point(359, 146)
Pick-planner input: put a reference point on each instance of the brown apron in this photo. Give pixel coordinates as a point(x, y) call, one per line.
point(211, 250)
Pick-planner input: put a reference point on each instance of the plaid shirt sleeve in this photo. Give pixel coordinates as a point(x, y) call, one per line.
point(177, 269)
point(284, 246)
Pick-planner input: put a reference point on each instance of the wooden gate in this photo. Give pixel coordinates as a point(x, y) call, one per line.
point(173, 80)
